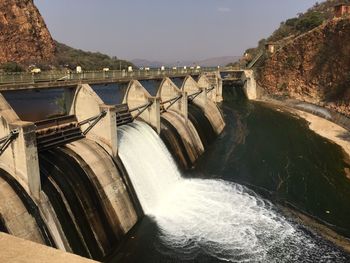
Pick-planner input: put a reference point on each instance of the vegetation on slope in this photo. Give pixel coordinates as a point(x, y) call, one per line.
point(69, 57)
point(296, 26)
point(66, 57)
point(311, 62)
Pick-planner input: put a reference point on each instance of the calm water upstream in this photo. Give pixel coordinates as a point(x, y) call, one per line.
point(218, 218)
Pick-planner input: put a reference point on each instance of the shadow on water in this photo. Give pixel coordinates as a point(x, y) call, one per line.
point(48, 103)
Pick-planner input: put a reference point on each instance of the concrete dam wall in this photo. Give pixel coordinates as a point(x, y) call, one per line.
point(62, 183)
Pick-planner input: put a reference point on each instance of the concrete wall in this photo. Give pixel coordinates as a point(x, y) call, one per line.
point(104, 175)
point(86, 104)
point(17, 219)
point(53, 224)
point(20, 159)
point(136, 95)
point(212, 79)
point(191, 86)
point(209, 108)
point(168, 90)
point(249, 86)
point(189, 135)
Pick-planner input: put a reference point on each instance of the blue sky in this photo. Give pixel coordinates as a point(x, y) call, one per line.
point(166, 30)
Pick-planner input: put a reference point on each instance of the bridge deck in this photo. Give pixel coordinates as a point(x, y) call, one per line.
point(47, 80)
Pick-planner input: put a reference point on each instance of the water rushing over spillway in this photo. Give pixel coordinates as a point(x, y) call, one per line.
point(220, 219)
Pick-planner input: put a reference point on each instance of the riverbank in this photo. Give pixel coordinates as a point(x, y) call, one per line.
point(322, 126)
point(330, 131)
point(334, 133)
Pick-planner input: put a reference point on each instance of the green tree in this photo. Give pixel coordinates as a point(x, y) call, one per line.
point(11, 67)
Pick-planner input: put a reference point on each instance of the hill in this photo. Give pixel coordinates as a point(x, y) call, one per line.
point(312, 61)
point(24, 37)
point(25, 40)
point(209, 62)
point(66, 56)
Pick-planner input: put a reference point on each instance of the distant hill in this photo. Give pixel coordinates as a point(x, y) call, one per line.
point(141, 63)
point(217, 61)
point(210, 62)
point(66, 56)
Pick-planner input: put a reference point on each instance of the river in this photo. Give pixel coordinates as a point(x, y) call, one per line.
point(264, 155)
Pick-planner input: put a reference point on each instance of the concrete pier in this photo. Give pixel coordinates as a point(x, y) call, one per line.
point(86, 104)
point(137, 96)
point(209, 107)
point(249, 85)
point(20, 159)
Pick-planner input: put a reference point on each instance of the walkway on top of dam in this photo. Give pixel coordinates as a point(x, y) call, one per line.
point(56, 79)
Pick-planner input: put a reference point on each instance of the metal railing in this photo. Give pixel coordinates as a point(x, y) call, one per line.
point(255, 59)
point(62, 76)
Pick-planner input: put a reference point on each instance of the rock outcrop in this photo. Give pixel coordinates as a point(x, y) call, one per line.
point(313, 67)
point(24, 37)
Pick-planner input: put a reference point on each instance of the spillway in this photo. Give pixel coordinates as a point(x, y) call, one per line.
point(77, 205)
point(216, 218)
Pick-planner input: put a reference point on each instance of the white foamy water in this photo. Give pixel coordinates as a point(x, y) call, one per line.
point(221, 219)
point(324, 112)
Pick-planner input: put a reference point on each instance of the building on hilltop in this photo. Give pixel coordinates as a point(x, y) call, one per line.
point(270, 47)
point(341, 10)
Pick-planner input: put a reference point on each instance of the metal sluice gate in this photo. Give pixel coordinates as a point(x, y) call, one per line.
point(56, 132)
point(59, 131)
point(123, 113)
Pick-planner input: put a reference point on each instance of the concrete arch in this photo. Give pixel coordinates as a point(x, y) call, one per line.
point(105, 177)
point(188, 133)
point(209, 107)
point(204, 83)
point(167, 91)
point(136, 96)
point(215, 81)
point(190, 86)
point(86, 104)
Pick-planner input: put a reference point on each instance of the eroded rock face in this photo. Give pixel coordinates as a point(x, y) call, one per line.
point(24, 37)
point(314, 67)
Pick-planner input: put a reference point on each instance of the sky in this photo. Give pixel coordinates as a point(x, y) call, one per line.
point(166, 30)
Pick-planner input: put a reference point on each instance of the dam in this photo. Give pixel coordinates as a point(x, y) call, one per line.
point(121, 171)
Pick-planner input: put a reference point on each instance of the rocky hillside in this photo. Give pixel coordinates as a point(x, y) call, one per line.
point(25, 40)
point(24, 37)
point(313, 65)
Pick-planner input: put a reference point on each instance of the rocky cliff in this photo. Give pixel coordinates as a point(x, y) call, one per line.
point(314, 67)
point(24, 37)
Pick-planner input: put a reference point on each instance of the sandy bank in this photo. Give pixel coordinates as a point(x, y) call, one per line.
point(328, 129)
point(323, 127)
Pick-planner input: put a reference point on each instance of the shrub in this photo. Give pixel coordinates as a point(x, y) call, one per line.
point(11, 67)
point(309, 21)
